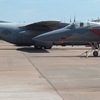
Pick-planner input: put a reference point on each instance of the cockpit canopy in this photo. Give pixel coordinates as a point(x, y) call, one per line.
point(81, 24)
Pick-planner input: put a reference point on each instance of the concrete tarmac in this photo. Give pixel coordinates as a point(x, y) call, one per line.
point(56, 74)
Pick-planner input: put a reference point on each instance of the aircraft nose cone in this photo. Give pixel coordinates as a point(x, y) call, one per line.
point(40, 38)
point(51, 36)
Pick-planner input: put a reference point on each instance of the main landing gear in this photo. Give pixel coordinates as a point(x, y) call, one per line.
point(94, 48)
point(41, 47)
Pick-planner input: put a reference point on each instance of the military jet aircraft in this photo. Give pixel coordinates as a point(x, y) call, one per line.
point(22, 34)
point(77, 33)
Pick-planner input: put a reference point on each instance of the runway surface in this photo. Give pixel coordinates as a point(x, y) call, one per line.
point(56, 74)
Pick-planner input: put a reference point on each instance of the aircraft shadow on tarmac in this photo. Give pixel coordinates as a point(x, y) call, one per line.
point(32, 50)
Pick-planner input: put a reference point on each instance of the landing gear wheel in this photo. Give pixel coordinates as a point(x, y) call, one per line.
point(95, 53)
point(47, 47)
point(38, 47)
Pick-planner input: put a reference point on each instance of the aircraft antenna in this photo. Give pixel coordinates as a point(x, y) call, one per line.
point(64, 19)
point(74, 19)
point(70, 19)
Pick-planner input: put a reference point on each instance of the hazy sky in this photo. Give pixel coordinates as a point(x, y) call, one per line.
point(37, 10)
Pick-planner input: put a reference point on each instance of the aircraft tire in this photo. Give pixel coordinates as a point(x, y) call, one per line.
point(38, 47)
point(95, 53)
point(47, 47)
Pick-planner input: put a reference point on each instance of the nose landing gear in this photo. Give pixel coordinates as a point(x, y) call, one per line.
point(95, 53)
point(94, 48)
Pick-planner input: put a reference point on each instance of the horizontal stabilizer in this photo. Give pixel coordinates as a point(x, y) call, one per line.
point(4, 22)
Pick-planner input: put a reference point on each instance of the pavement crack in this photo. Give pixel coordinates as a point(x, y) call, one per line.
point(43, 76)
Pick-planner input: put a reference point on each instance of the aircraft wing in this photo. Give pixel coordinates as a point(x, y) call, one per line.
point(4, 21)
point(43, 25)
